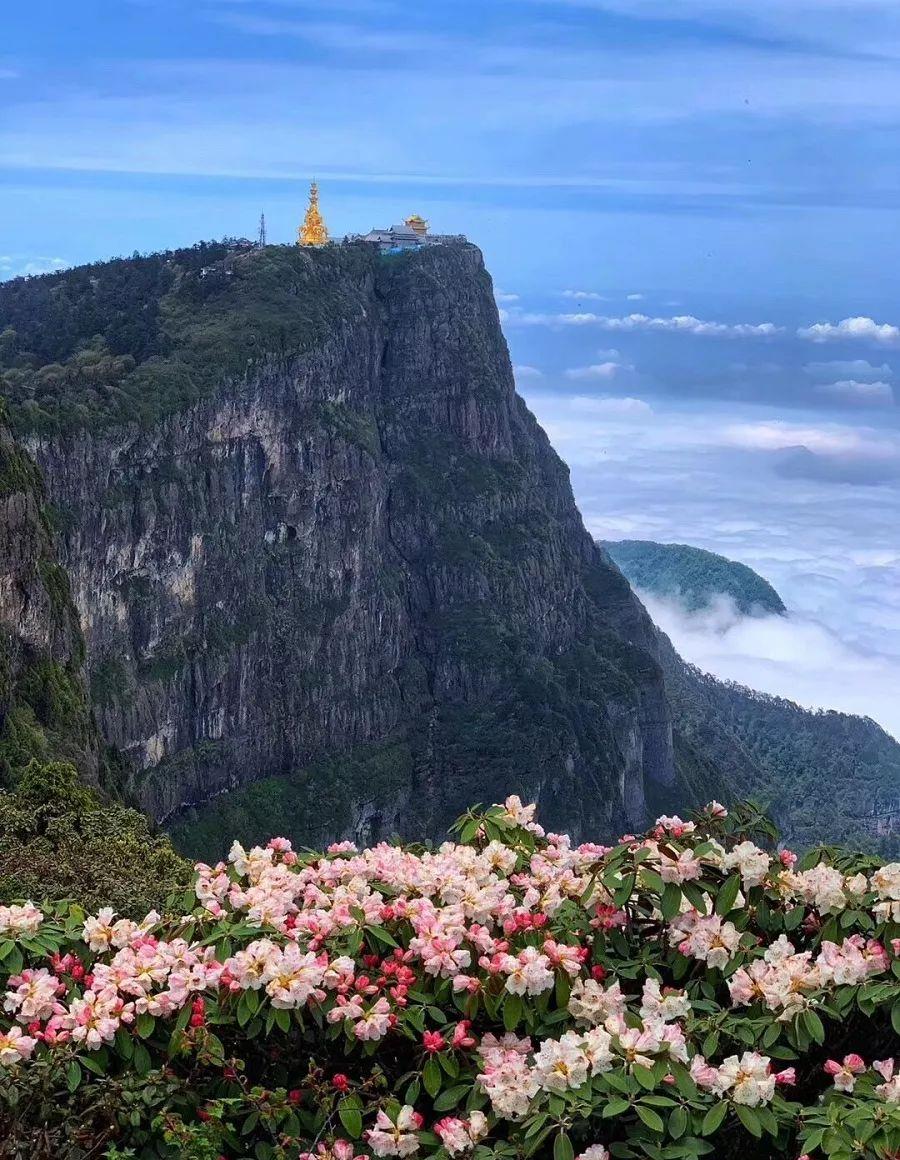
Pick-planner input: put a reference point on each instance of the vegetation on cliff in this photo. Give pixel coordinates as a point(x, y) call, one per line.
point(59, 839)
point(509, 995)
point(133, 339)
point(693, 576)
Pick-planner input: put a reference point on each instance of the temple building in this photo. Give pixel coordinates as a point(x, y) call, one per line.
point(408, 236)
point(313, 231)
point(412, 234)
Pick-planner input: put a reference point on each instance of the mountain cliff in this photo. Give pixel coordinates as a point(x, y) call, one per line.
point(330, 574)
point(44, 709)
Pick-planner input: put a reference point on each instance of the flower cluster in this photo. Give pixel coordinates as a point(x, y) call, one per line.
point(495, 992)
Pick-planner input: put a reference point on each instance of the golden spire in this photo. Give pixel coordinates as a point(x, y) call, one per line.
point(418, 225)
point(313, 232)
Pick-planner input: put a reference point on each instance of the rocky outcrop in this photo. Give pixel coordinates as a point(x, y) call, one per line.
point(44, 709)
point(368, 551)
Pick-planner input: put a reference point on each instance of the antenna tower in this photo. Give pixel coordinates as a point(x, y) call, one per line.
point(261, 240)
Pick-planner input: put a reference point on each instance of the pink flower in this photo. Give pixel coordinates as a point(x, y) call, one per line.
point(845, 1073)
point(15, 1045)
point(395, 1138)
point(461, 1037)
point(433, 1041)
point(786, 1078)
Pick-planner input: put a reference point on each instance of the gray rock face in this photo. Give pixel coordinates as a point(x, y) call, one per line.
point(44, 709)
point(373, 545)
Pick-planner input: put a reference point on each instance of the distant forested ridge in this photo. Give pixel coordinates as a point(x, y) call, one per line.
point(693, 576)
point(824, 776)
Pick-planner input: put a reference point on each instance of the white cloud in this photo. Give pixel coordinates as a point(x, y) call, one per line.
point(855, 368)
point(586, 295)
point(854, 391)
point(604, 370)
point(505, 296)
point(866, 329)
point(826, 439)
point(679, 324)
point(634, 297)
point(792, 656)
point(527, 372)
point(626, 405)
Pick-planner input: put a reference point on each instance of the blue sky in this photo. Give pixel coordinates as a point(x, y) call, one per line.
point(741, 148)
point(680, 203)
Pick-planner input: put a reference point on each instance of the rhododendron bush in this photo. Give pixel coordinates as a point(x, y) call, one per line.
point(687, 993)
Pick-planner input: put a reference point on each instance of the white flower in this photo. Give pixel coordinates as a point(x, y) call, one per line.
point(560, 1064)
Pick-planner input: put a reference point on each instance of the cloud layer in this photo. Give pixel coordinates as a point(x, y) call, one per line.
point(810, 503)
point(793, 656)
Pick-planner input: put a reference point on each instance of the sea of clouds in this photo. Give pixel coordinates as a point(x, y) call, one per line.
point(809, 499)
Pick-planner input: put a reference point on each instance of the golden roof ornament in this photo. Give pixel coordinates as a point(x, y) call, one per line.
point(313, 232)
point(418, 225)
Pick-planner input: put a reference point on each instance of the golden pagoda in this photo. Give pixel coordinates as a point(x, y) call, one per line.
point(418, 225)
point(313, 232)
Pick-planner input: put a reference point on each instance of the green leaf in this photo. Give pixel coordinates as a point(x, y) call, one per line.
point(712, 1121)
point(563, 988)
point(244, 1013)
point(644, 1076)
point(794, 917)
point(351, 1117)
point(895, 1016)
point(562, 1148)
point(282, 1018)
point(431, 1076)
point(73, 1075)
point(512, 1012)
point(727, 895)
point(814, 1027)
point(92, 1063)
point(749, 1119)
point(622, 895)
point(670, 903)
point(678, 1121)
point(652, 1119)
point(615, 1107)
point(144, 1025)
point(141, 1059)
point(469, 830)
point(381, 935)
point(450, 1098)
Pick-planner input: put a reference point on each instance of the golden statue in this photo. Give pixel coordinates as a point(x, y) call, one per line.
point(418, 225)
point(313, 232)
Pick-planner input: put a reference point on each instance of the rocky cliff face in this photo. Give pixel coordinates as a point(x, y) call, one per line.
point(44, 710)
point(368, 550)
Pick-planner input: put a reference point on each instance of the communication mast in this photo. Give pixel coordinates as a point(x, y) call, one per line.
point(261, 240)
